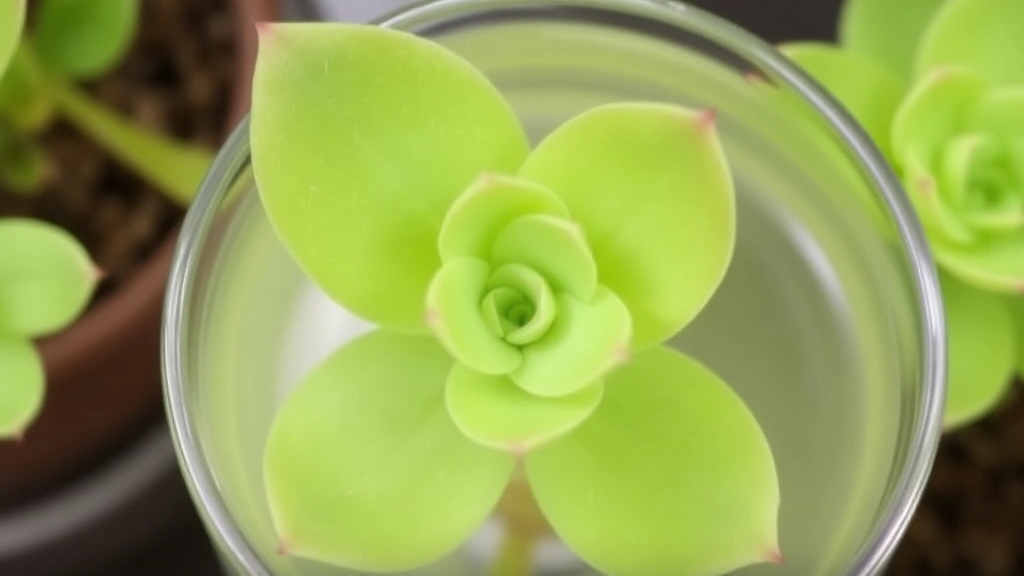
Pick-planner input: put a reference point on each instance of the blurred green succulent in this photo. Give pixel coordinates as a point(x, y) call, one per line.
point(521, 299)
point(46, 276)
point(939, 85)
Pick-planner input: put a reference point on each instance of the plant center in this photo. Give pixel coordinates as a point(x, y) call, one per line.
point(519, 306)
point(984, 178)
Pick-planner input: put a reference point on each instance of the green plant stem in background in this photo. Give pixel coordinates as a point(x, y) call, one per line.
point(516, 555)
point(176, 168)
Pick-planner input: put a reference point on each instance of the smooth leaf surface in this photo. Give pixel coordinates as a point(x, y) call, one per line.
point(586, 340)
point(995, 265)
point(12, 20)
point(983, 35)
point(650, 186)
point(999, 113)
point(454, 301)
point(46, 277)
point(494, 412)
point(869, 91)
point(84, 39)
point(670, 475)
point(939, 219)
point(365, 469)
point(1016, 304)
point(490, 204)
point(554, 247)
point(885, 31)
point(531, 284)
point(934, 111)
point(362, 137)
point(982, 346)
point(22, 386)
point(25, 99)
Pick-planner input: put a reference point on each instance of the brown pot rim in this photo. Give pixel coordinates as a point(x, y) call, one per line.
point(121, 310)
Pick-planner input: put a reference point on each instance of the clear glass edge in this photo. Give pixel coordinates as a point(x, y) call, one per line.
point(908, 486)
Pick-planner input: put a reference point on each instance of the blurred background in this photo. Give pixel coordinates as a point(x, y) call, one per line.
point(104, 497)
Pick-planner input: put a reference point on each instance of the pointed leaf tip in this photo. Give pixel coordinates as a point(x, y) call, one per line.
point(283, 548)
point(707, 119)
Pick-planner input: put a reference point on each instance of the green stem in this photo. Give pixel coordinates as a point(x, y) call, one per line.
point(516, 555)
point(174, 167)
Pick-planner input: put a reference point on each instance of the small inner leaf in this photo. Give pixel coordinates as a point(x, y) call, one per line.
point(495, 309)
point(362, 138)
point(982, 344)
point(84, 39)
point(454, 301)
point(999, 113)
point(650, 185)
point(930, 204)
point(537, 292)
point(959, 157)
point(495, 412)
point(983, 35)
point(22, 386)
point(994, 265)
point(670, 475)
point(486, 208)
point(586, 340)
point(885, 31)
point(934, 112)
point(553, 247)
point(365, 469)
point(46, 277)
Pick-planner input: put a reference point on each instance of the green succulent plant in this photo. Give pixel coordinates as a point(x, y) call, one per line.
point(939, 86)
point(521, 297)
point(46, 277)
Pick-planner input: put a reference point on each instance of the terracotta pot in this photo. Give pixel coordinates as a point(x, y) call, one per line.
point(103, 372)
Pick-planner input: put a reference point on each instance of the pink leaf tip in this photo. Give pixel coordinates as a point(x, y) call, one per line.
point(775, 556)
point(707, 118)
point(283, 548)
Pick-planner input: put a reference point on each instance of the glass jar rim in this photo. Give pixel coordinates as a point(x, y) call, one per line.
point(907, 487)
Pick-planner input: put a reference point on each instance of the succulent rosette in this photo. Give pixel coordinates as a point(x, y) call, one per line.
point(522, 296)
point(939, 85)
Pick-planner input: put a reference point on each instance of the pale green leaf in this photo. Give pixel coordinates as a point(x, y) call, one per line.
point(46, 277)
point(869, 91)
point(670, 475)
point(84, 39)
point(495, 412)
point(958, 160)
point(365, 469)
point(22, 385)
point(934, 112)
point(554, 247)
point(1016, 304)
point(983, 35)
point(486, 208)
point(586, 340)
point(886, 31)
point(495, 309)
point(994, 265)
point(454, 300)
point(982, 347)
point(362, 137)
point(12, 20)
point(25, 99)
point(650, 185)
point(537, 291)
point(999, 113)
point(940, 220)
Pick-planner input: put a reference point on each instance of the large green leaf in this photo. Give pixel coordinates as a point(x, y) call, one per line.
point(650, 185)
point(495, 412)
point(362, 137)
point(365, 469)
point(46, 277)
point(12, 20)
point(982, 349)
point(934, 112)
point(21, 385)
point(869, 91)
point(454, 307)
point(670, 475)
point(886, 31)
point(999, 113)
point(84, 39)
point(995, 264)
point(984, 35)
point(586, 340)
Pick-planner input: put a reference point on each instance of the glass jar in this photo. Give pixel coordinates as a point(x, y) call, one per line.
point(828, 324)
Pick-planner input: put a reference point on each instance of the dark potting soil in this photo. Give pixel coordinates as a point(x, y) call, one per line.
point(971, 519)
point(176, 79)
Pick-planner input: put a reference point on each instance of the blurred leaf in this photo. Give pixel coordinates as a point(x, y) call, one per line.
point(364, 468)
point(886, 31)
point(934, 111)
point(46, 277)
point(84, 39)
point(12, 20)
point(25, 98)
point(24, 164)
point(362, 139)
point(22, 385)
point(982, 346)
point(670, 475)
point(1016, 304)
point(983, 35)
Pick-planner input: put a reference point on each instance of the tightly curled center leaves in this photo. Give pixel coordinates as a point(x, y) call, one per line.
point(521, 298)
